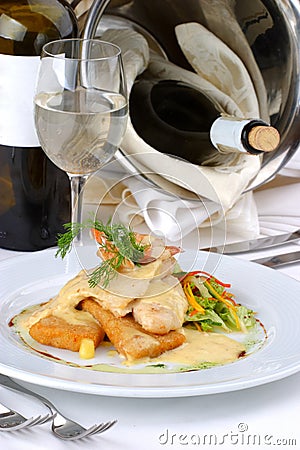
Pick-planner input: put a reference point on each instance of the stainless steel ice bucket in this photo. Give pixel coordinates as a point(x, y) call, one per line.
point(272, 30)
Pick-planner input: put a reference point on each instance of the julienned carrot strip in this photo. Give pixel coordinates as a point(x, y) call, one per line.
point(226, 302)
point(191, 299)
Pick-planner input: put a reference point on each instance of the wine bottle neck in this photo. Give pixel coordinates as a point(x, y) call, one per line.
point(253, 136)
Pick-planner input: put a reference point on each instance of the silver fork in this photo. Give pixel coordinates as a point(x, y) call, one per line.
point(62, 427)
point(11, 420)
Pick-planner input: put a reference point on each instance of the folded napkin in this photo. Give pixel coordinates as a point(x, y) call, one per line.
point(215, 62)
point(146, 208)
point(175, 218)
point(223, 11)
point(135, 51)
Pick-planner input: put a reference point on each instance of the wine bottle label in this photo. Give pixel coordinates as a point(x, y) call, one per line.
point(17, 87)
point(226, 132)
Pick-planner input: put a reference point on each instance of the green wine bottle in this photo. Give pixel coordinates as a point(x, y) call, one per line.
point(34, 193)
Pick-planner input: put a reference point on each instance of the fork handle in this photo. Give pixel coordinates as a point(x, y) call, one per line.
point(10, 384)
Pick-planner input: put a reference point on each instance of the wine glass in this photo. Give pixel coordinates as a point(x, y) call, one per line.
point(81, 108)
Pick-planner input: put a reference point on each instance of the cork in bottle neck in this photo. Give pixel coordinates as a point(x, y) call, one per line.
point(262, 138)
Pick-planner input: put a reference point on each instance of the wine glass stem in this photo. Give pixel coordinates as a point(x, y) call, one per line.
point(77, 183)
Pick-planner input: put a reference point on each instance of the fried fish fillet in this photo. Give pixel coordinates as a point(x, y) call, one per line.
point(57, 332)
point(128, 337)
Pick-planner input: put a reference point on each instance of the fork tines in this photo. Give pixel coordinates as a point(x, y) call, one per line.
point(18, 425)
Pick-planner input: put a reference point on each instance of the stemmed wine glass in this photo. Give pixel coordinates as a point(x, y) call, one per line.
point(81, 108)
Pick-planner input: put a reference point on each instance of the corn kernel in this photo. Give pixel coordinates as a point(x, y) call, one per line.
point(87, 349)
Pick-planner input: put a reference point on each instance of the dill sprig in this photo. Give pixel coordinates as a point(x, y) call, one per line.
point(105, 272)
point(64, 240)
point(120, 242)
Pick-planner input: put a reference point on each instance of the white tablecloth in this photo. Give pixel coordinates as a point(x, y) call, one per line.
point(259, 418)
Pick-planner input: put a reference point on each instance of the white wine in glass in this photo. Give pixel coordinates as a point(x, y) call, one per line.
point(81, 108)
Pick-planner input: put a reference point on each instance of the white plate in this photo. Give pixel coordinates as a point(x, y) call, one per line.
point(33, 278)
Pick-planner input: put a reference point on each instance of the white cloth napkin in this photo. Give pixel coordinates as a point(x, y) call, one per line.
point(171, 216)
point(217, 63)
point(223, 11)
point(175, 218)
point(145, 208)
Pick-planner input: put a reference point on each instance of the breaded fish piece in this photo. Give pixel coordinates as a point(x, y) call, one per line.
point(57, 332)
point(128, 337)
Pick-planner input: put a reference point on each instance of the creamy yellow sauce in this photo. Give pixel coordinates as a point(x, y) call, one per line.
point(30, 316)
point(64, 304)
point(203, 347)
point(199, 348)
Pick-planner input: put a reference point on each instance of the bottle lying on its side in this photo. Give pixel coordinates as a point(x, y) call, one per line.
point(177, 119)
